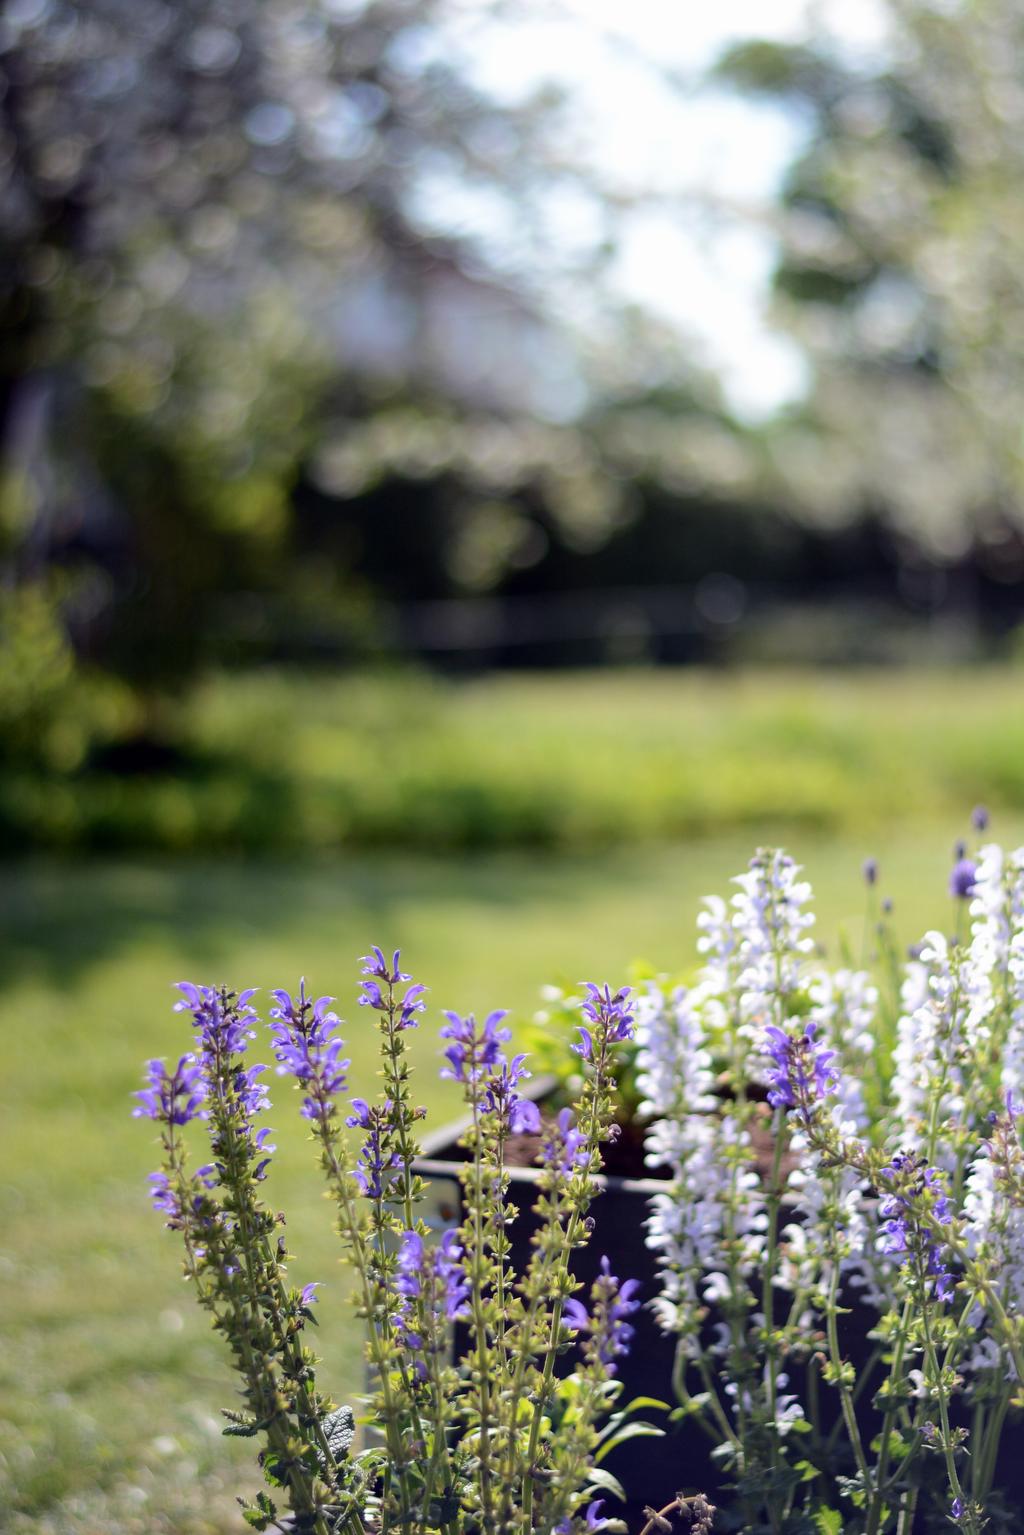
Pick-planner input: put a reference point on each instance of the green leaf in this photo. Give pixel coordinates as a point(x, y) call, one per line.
point(340, 1431)
point(829, 1521)
point(261, 1514)
point(644, 1401)
point(629, 1431)
point(597, 1476)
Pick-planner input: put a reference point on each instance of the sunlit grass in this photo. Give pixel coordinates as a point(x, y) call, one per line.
point(564, 762)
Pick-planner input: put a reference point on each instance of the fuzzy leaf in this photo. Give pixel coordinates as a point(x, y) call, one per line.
point(340, 1431)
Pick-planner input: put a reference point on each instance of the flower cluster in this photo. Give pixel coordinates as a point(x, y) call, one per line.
point(435, 1279)
point(375, 966)
point(307, 1047)
point(609, 1012)
point(172, 1097)
point(802, 1073)
point(844, 1140)
point(610, 1334)
point(912, 1192)
point(465, 1445)
point(476, 1049)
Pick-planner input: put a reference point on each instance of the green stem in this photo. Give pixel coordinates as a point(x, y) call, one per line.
point(479, 1319)
point(939, 1385)
point(845, 1396)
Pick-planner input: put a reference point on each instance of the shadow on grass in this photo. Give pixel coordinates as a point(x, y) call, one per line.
point(58, 919)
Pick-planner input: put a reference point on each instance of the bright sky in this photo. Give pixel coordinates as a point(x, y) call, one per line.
point(708, 277)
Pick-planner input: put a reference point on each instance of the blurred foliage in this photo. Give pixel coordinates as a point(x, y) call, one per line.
point(221, 268)
point(52, 712)
point(902, 275)
point(256, 395)
point(579, 761)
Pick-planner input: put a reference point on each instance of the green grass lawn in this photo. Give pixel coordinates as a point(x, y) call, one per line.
point(110, 1384)
point(566, 762)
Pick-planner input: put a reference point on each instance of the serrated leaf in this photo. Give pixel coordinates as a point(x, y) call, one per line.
point(829, 1521)
point(340, 1431)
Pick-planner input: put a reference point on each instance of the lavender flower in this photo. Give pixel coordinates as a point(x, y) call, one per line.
point(307, 1047)
point(376, 967)
point(870, 871)
point(611, 1303)
point(519, 1116)
point(434, 1276)
point(475, 1051)
point(979, 818)
point(563, 1148)
point(172, 1097)
point(163, 1195)
point(224, 1021)
point(802, 1071)
point(607, 1011)
point(962, 879)
point(592, 1519)
point(377, 1164)
point(913, 1185)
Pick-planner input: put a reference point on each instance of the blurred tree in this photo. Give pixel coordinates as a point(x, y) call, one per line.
point(901, 272)
point(215, 255)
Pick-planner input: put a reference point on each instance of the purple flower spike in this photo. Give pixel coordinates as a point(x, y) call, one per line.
point(518, 1116)
point(307, 1048)
point(610, 1332)
point(374, 964)
point(870, 871)
point(564, 1148)
point(475, 1049)
point(962, 879)
point(224, 1022)
point(172, 1097)
point(907, 1184)
point(612, 1011)
point(801, 1073)
point(979, 818)
point(408, 1280)
point(374, 1171)
point(434, 1277)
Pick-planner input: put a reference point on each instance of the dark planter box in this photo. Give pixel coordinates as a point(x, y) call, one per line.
point(651, 1469)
